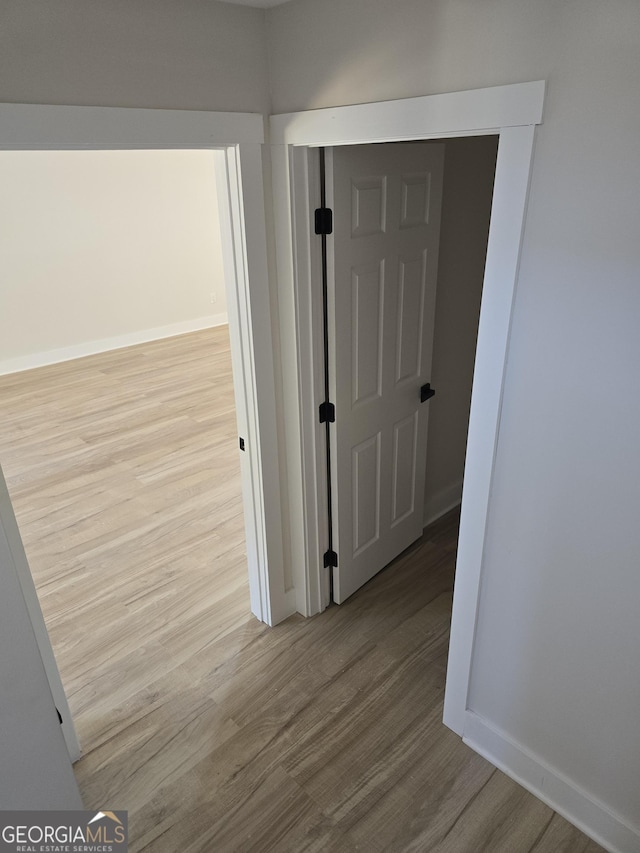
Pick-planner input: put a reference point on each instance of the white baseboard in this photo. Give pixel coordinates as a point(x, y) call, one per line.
point(561, 794)
point(40, 359)
point(437, 505)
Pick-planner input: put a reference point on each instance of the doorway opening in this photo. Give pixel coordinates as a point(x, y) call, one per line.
point(236, 142)
point(123, 466)
point(511, 112)
point(404, 270)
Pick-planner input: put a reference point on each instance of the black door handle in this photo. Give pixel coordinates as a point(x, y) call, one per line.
point(426, 392)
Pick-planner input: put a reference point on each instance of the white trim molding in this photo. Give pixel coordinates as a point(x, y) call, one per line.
point(244, 253)
point(477, 111)
point(9, 526)
point(509, 111)
point(510, 192)
point(55, 356)
point(591, 816)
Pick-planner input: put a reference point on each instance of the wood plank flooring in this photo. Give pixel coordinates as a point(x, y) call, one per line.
point(215, 732)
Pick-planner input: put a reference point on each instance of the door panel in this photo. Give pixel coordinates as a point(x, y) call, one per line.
point(382, 261)
point(416, 200)
point(412, 288)
point(367, 307)
point(405, 451)
point(366, 484)
point(368, 206)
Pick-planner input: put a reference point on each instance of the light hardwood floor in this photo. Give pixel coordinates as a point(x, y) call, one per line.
point(214, 731)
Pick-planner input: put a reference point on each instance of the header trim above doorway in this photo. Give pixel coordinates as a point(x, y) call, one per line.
point(42, 127)
point(469, 113)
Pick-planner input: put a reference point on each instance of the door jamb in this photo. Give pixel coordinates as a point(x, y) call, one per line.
point(511, 112)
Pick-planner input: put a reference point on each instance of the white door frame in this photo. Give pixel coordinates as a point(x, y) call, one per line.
point(32, 603)
point(14, 565)
point(237, 139)
point(511, 112)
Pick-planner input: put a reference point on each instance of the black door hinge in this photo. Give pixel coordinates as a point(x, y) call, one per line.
point(330, 560)
point(59, 716)
point(324, 220)
point(327, 413)
point(427, 392)
point(241, 443)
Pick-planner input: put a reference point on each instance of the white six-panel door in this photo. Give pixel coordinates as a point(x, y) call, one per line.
point(382, 261)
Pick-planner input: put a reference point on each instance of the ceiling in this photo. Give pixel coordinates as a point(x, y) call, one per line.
point(259, 4)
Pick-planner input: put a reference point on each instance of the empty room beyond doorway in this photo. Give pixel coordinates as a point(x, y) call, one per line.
point(124, 474)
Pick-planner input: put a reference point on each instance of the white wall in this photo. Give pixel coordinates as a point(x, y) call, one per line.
point(469, 170)
point(105, 248)
point(556, 669)
point(35, 769)
point(190, 55)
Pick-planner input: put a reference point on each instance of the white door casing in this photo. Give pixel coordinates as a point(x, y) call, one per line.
point(237, 140)
point(383, 262)
point(244, 250)
point(512, 112)
point(36, 749)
